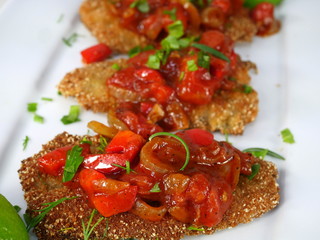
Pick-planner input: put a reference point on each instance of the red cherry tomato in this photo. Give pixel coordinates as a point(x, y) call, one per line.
point(96, 53)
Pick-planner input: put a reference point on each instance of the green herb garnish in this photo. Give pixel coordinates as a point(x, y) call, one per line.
point(85, 140)
point(32, 222)
point(74, 159)
point(255, 169)
point(25, 142)
point(193, 228)
point(192, 66)
point(38, 118)
point(180, 140)
point(247, 89)
point(258, 152)
point(87, 231)
point(287, 136)
point(47, 99)
point(210, 50)
point(71, 40)
point(73, 115)
point(116, 67)
point(253, 3)
point(141, 5)
point(32, 107)
point(136, 50)
point(171, 13)
point(103, 143)
point(127, 167)
point(155, 188)
point(176, 29)
point(203, 60)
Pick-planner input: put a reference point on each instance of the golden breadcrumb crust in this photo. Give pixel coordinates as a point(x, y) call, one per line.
point(252, 198)
point(228, 112)
point(99, 16)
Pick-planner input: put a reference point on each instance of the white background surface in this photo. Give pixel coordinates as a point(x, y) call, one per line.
point(33, 59)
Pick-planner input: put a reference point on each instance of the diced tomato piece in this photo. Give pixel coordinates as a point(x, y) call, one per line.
point(146, 107)
point(263, 13)
point(223, 4)
point(122, 148)
point(96, 53)
point(53, 162)
point(197, 136)
point(112, 204)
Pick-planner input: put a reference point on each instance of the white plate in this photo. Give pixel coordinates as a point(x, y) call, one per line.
point(33, 59)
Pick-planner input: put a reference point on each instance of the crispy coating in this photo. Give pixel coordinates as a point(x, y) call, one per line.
point(252, 198)
point(228, 112)
point(99, 17)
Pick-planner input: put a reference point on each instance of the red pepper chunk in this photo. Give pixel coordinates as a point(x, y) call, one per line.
point(107, 195)
point(197, 137)
point(123, 147)
point(119, 202)
point(53, 162)
point(96, 53)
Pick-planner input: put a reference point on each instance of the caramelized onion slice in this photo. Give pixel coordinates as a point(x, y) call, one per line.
point(102, 129)
point(108, 185)
point(145, 211)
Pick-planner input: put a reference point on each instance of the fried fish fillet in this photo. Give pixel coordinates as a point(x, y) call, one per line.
point(228, 112)
point(252, 198)
point(100, 17)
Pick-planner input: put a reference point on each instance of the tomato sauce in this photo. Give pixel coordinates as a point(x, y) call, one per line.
point(150, 182)
point(171, 91)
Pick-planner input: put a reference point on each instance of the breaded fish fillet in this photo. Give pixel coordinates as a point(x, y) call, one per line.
point(99, 16)
point(252, 198)
point(228, 112)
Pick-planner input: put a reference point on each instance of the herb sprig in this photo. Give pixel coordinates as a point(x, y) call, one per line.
point(87, 231)
point(180, 140)
point(261, 152)
point(32, 222)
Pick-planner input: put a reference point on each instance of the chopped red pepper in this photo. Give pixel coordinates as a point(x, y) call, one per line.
point(53, 162)
point(122, 148)
point(96, 53)
point(196, 136)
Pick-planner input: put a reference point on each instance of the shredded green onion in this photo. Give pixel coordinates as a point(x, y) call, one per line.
point(255, 169)
point(180, 140)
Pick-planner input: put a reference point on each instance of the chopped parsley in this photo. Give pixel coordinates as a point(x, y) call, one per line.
point(141, 5)
point(116, 67)
point(287, 136)
point(32, 222)
point(17, 208)
point(32, 107)
point(155, 188)
point(103, 143)
point(255, 169)
point(203, 60)
point(176, 29)
point(192, 66)
point(247, 89)
point(73, 115)
point(180, 140)
point(25, 142)
point(71, 40)
point(85, 140)
point(74, 159)
point(136, 50)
